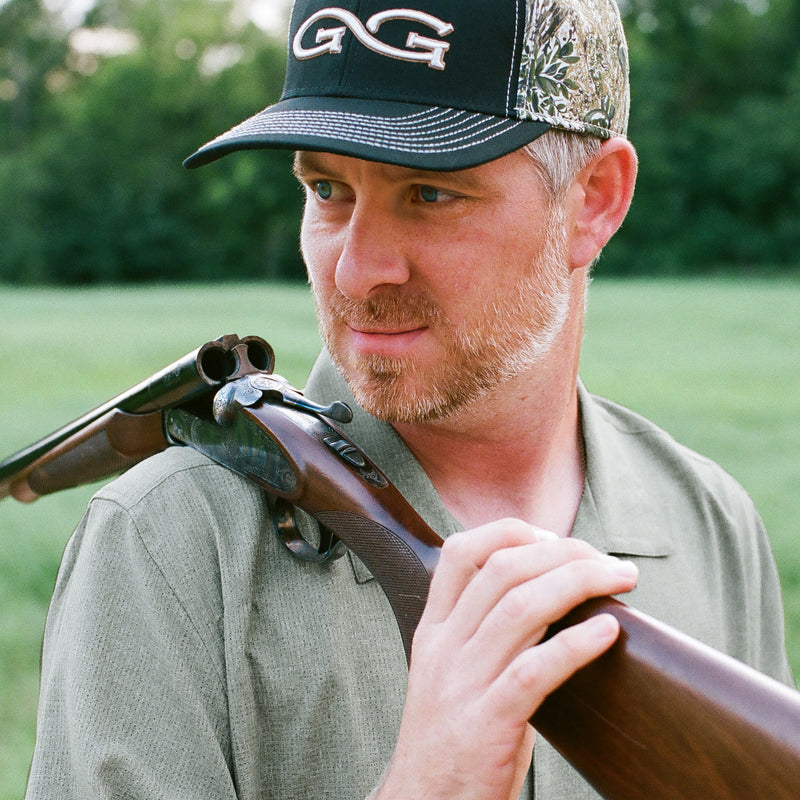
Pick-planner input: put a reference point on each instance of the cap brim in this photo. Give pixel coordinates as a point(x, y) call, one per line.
point(416, 136)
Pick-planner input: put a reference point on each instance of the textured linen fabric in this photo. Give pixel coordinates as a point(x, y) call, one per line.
point(188, 655)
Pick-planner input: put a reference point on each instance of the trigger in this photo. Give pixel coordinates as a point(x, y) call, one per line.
point(285, 525)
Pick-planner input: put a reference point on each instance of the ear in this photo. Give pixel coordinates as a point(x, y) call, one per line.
point(598, 200)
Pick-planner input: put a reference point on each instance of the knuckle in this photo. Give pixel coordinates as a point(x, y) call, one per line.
point(587, 578)
point(421, 639)
point(523, 674)
point(427, 640)
point(516, 604)
point(581, 574)
point(456, 546)
point(500, 563)
point(568, 644)
point(577, 549)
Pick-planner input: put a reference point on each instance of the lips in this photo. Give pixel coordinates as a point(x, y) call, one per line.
point(399, 331)
point(388, 324)
point(385, 341)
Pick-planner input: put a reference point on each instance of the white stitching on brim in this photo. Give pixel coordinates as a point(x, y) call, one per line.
point(430, 131)
point(342, 127)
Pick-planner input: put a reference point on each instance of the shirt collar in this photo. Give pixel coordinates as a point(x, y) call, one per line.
point(616, 513)
point(613, 514)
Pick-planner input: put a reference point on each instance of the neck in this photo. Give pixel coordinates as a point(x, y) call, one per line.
point(517, 453)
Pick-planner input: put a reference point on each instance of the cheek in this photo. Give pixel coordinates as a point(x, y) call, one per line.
point(319, 252)
point(485, 263)
point(307, 242)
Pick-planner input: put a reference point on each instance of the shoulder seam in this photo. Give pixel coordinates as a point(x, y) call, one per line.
point(110, 493)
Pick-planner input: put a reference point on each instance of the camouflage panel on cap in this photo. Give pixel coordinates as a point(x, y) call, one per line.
point(574, 68)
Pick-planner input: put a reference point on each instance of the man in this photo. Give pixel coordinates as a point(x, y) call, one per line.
point(463, 164)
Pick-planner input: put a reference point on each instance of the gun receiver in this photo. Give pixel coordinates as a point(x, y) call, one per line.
point(659, 716)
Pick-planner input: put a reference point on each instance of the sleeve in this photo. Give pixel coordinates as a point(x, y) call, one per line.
point(126, 673)
point(745, 581)
point(769, 654)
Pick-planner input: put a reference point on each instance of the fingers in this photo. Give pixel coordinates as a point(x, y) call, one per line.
point(539, 670)
point(479, 665)
point(502, 585)
point(479, 567)
point(507, 580)
point(464, 554)
point(521, 615)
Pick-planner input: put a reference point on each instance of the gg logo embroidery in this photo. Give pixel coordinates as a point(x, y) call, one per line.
point(329, 40)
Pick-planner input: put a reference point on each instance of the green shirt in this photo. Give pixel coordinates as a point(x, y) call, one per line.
point(189, 655)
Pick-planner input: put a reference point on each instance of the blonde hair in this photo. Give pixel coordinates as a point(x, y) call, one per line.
point(560, 155)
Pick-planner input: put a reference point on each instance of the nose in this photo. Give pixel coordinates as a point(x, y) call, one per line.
point(373, 252)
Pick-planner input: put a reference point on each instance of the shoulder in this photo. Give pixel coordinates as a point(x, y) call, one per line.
point(181, 496)
point(180, 516)
point(631, 447)
point(176, 475)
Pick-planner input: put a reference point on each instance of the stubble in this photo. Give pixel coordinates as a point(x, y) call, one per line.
point(500, 340)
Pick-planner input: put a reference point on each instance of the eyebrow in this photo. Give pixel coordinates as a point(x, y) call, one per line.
point(305, 162)
point(309, 161)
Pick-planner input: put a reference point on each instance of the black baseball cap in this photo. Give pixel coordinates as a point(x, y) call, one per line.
point(440, 84)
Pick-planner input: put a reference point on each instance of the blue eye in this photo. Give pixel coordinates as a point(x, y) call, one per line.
point(323, 190)
point(429, 194)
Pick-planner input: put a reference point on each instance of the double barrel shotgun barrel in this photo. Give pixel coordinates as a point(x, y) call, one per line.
point(660, 715)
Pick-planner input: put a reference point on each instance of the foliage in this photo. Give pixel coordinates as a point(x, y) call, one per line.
point(714, 109)
point(91, 142)
point(99, 193)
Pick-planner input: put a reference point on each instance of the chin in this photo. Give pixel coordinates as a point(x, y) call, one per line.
point(407, 394)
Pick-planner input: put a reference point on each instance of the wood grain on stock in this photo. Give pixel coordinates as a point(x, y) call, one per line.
point(661, 716)
point(110, 444)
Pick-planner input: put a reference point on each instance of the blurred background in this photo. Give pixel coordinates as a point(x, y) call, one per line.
point(100, 101)
point(115, 261)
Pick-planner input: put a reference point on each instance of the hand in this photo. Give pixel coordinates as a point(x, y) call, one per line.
point(479, 669)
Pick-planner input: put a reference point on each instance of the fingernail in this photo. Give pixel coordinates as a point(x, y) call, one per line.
point(626, 569)
point(604, 626)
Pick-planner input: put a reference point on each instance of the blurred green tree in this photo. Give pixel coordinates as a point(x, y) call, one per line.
point(715, 104)
point(95, 120)
point(98, 191)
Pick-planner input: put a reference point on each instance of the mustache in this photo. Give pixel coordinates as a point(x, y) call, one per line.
point(389, 309)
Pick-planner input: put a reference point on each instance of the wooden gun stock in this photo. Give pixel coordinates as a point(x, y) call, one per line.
point(660, 716)
point(663, 716)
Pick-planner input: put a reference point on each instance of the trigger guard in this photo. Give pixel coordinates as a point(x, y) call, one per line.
point(283, 521)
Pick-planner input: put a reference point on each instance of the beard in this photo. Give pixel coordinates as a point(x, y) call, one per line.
point(499, 340)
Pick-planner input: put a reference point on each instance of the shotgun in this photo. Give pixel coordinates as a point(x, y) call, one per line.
point(658, 716)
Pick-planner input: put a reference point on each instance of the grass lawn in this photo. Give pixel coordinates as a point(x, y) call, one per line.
point(717, 363)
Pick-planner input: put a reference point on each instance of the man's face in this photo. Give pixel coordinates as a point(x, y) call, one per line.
point(432, 288)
